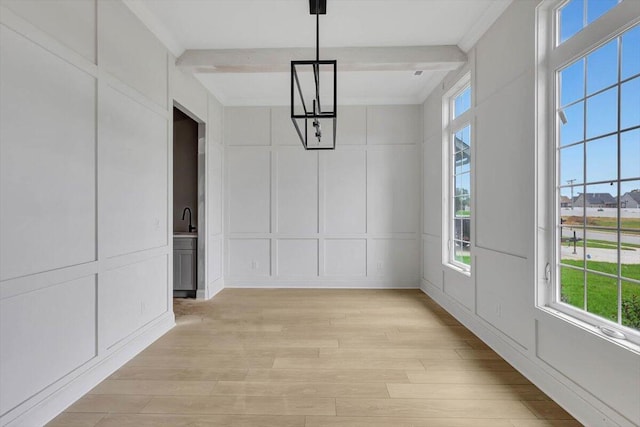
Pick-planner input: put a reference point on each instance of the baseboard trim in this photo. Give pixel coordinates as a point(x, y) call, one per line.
point(212, 289)
point(318, 284)
point(584, 407)
point(41, 409)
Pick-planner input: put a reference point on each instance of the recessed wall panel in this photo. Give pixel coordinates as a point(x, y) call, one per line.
point(215, 200)
point(504, 169)
point(297, 191)
point(71, 22)
point(394, 124)
point(214, 251)
point(504, 297)
point(249, 190)
point(247, 126)
point(492, 71)
point(394, 259)
point(610, 372)
point(133, 174)
point(132, 296)
point(130, 52)
point(432, 186)
point(44, 335)
point(297, 257)
point(393, 196)
point(282, 130)
point(351, 125)
point(249, 257)
point(432, 263)
point(345, 258)
point(345, 191)
point(47, 160)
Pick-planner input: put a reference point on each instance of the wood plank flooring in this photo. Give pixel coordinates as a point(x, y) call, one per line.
point(312, 358)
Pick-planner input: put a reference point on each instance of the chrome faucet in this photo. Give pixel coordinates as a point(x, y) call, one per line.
point(191, 227)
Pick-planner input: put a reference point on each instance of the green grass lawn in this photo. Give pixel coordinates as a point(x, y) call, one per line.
point(602, 292)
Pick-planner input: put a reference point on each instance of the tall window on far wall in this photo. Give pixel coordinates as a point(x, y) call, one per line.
point(594, 70)
point(458, 159)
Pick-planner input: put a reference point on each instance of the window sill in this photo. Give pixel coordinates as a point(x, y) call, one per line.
point(458, 269)
point(593, 328)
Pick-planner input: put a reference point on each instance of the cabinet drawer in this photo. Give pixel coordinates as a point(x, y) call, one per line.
point(185, 243)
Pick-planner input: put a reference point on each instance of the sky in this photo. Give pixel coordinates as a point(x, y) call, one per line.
point(589, 89)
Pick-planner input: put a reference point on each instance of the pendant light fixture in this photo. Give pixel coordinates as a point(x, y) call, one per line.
point(313, 81)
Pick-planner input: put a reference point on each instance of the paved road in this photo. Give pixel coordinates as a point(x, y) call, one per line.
point(567, 231)
point(605, 255)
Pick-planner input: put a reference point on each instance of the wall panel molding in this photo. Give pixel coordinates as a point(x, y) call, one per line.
point(320, 204)
point(87, 281)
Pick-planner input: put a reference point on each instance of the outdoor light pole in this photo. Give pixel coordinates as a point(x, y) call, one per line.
point(570, 182)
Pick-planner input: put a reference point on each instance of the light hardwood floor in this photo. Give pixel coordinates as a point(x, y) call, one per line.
point(286, 358)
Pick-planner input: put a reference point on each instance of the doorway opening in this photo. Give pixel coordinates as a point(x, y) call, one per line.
point(188, 204)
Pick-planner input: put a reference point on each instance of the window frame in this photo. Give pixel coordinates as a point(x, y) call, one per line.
point(553, 56)
point(453, 124)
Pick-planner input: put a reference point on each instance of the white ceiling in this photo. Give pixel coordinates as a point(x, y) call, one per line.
point(244, 24)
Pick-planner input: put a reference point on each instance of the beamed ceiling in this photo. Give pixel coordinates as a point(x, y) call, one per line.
point(241, 49)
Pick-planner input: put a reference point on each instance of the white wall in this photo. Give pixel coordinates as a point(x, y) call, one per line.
point(343, 218)
point(85, 190)
point(593, 378)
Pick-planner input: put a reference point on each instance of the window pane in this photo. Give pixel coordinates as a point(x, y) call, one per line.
point(463, 184)
point(631, 52)
point(630, 104)
point(602, 296)
point(572, 83)
point(631, 304)
point(462, 103)
point(461, 206)
point(572, 216)
point(597, 197)
point(602, 67)
point(573, 130)
point(463, 139)
point(571, 19)
point(572, 287)
point(630, 154)
point(602, 113)
point(461, 252)
point(602, 159)
point(601, 248)
point(572, 165)
point(597, 8)
point(572, 236)
point(630, 215)
point(463, 161)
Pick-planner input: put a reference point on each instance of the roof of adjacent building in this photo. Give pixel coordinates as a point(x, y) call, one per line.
point(634, 194)
point(598, 198)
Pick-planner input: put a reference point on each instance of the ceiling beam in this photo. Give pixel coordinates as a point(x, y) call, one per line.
point(401, 58)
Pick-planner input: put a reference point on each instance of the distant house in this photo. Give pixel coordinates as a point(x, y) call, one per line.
point(565, 202)
point(595, 200)
point(630, 199)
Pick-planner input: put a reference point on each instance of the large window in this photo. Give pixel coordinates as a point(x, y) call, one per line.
point(595, 93)
point(457, 108)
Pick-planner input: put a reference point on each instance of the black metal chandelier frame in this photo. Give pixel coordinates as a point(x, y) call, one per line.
point(313, 114)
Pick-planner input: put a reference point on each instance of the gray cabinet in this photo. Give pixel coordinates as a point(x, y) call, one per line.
point(185, 263)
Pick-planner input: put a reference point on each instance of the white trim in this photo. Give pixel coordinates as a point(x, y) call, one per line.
point(451, 125)
point(267, 283)
point(550, 59)
point(47, 404)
